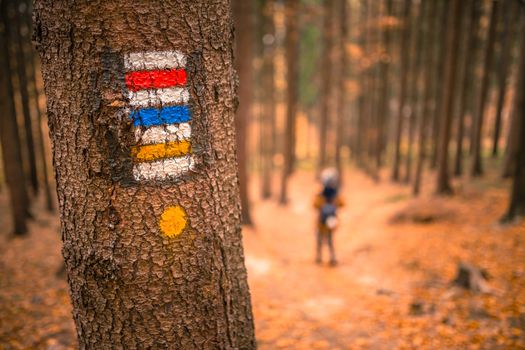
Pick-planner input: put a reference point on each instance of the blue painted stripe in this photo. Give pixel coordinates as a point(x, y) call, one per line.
point(160, 116)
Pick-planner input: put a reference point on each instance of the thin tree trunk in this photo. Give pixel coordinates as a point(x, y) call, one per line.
point(430, 81)
point(33, 93)
point(292, 55)
point(384, 111)
point(467, 82)
point(453, 35)
point(414, 96)
point(268, 98)
point(517, 199)
point(477, 168)
point(9, 138)
point(326, 83)
point(438, 96)
point(149, 202)
point(405, 42)
point(341, 102)
point(509, 18)
point(243, 16)
point(24, 97)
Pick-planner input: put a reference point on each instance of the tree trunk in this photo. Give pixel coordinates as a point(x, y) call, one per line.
point(517, 199)
point(341, 102)
point(243, 16)
point(467, 82)
point(9, 138)
point(34, 95)
point(477, 169)
point(292, 55)
point(453, 34)
point(24, 96)
point(384, 111)
point(438, 96)
point(268, 97)
point(415, 87)
point(509, 18)
point(326, 84)
point(405, 42)
point(147, 182)
point(430, 80)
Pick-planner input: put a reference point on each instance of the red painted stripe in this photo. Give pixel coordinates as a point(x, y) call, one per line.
point(155, 79)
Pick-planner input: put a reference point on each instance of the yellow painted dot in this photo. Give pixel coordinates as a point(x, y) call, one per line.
point(173, 221)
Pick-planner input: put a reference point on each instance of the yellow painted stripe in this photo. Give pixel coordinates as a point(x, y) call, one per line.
point(159, 151)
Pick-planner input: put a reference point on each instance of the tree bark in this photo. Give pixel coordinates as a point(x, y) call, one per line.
point(477, 169)
point(326, 84)
point(383, 109)
point(453, 34)
point(12, 159)
point(152, 238)
point(509, 18)
point(292, 62)
point(415, 87)
point(430, 81)
point(268, 98)
point(438, 96)
point(517, 199)
point(405, 42)
point(341, 101)
point(24, 96)
point(243, 16)
point(467, 82)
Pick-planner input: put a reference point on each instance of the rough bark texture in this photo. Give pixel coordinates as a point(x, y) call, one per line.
point(133, 287)
point(243, 15)
point(12, 159)
point(443, 181)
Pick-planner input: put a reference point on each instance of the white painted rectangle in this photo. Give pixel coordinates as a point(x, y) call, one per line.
point(154, 60)
point(158, 97)
point(162, 133)
point(163, 169)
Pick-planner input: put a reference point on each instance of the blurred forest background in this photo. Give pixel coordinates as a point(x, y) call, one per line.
point(420, 106)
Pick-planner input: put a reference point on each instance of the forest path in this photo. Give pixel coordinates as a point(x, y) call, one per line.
point(391, 287)
point(390, 290)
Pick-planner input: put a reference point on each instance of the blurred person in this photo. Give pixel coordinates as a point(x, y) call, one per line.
point(327, 202)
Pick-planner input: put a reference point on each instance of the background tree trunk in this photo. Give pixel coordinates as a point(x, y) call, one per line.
point(509, 18)
point(467, 82)
point(404, 53)
point(453, 34)
point(268, 97)
point(429, 81)
point(326, 84)
point(243, 16)
point(292, 62)
point(154, 257)
point(341, 102)
point(477, 168)
point(12, 159)
point(517, 199)
point(24, 96)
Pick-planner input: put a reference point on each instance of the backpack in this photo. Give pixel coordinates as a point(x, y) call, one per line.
point(328, 210)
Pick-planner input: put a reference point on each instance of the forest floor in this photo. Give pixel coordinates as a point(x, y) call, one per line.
point(391, 289)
